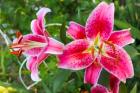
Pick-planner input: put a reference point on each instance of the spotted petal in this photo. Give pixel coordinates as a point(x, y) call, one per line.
point(99, 89)
point(100, 21)
point(74, 57)
point(121, 38)
point(92, 73)
point(76, 31)
point(117, 62)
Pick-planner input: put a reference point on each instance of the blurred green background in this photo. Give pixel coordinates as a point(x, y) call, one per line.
point(16, 15)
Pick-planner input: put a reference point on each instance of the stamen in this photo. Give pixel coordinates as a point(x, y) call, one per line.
point(110, 44)
point(113, 47)
point(100, 48)
point(19, 39)
point(18, 34)
point(17, 53)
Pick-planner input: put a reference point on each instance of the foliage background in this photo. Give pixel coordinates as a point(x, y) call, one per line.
point(16, 15)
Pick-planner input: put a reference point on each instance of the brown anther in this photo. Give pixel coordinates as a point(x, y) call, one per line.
point(84, 91)
point(92, 52)
point(18, 34)
point(17, 53)
point(100, 48)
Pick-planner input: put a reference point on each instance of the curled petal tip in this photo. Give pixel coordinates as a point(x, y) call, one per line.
point(43, 10)
point(129, 29)
point(35, 77)
point(133, 40)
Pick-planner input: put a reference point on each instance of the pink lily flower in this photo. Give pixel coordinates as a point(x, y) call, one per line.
point(96, 46)
point(36, 46)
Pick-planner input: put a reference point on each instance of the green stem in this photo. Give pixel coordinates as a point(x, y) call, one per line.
point(2, 64)
point(55, 24)
point(5, 37)
point(20, 77)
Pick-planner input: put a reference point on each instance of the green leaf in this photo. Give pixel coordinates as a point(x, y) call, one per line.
point(60, 79)
point(131, 50)
point(63, 33)
point(136, 64)
point(123, 88)
point(123, 25)
point(46, 89)
point(134, 90)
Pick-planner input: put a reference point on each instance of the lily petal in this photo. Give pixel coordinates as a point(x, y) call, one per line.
point(33, 67)
point(40, 16)
point(92, 73)
point(76, 46)
point(76, 31)
point(33, 51)
point(74, 57)
point(33, 37)
point(117, 62)
point(42, 55)
point(35, 27)
point(99, 89)
point(30, 61)
point(54, 46)
point(121, 38)
point(35, 73)
point(114, 84)
point(100, 21)
point(34, 62)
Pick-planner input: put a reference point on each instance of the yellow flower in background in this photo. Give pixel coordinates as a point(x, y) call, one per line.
point(7, 89)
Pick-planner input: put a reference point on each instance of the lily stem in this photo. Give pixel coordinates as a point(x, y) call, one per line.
point(55, 24)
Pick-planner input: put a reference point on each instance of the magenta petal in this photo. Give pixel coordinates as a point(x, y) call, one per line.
point(36, 29)
point(36, 38)
point(33, 52)
point(30, 62)
point(42, 55)
point(121, 38)
point(74, 56)
point(117, 62)
point(34, 62)
point(76, 46)
point(40, 16)
point(33, 37)
point(35, 73)
point(33, 67)
point(100, 21)
point(75, 61)
point(99, 89)
point(76, 31)
point(92, 73)
point(54, 46)
point(114, 84)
